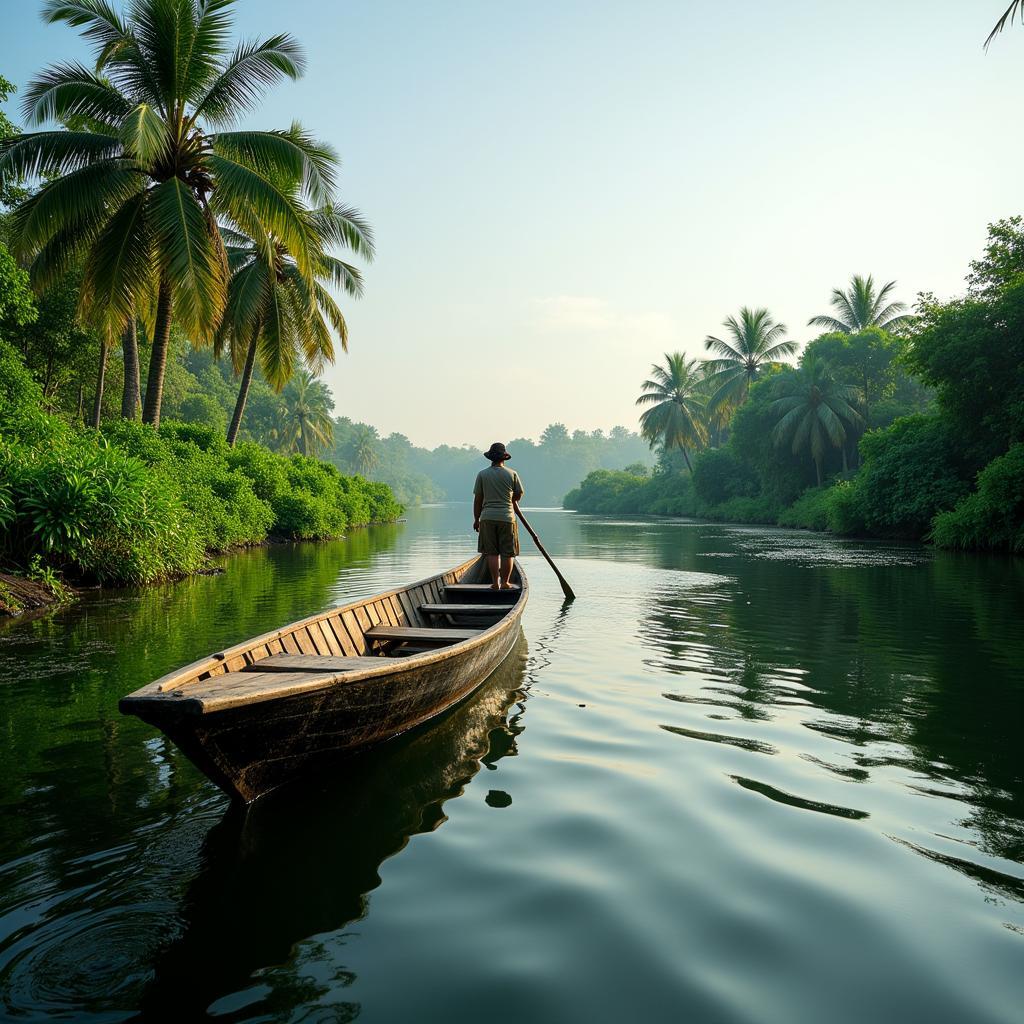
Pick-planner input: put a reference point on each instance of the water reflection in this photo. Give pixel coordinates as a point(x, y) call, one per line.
point(264, 908)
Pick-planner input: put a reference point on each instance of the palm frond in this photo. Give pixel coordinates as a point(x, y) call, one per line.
point(251, 70)
point(145, 135)
point(290, 155)
point(68, 90)
point(1009, 16)
point(191, 261)
point(119, 270)
point(36, 154)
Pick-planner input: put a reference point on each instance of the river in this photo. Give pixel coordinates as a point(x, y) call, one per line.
point(751, 775)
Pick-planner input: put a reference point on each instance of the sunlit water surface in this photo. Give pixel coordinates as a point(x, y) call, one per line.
point(751, 775)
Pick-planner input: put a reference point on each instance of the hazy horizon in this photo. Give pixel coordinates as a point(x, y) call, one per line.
point(563, 192)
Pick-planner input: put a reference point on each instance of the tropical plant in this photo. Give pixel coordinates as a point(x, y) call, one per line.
point(756, 341)
point(273, 314)
point(861, 307)
point(137, 186)
point(675, 417)
point(813, 413)
point(362, 450)
point(306, 406)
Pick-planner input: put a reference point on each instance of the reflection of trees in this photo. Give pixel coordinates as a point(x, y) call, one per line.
point(74, 768)
point(926, 656)
point(302, 862)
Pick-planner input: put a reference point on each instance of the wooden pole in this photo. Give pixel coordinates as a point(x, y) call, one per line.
point(566, 589)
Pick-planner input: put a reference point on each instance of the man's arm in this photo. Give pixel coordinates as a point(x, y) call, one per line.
point(478, 507)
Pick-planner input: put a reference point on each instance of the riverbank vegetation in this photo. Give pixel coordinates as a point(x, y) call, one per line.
point(889, 425)
point(139, 221)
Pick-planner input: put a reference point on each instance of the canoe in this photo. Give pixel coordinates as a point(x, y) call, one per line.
point(283, 704)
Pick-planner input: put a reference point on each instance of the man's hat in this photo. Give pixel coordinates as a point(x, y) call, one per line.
point(497, 453)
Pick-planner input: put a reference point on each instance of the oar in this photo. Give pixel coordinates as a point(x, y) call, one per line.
point(566, 589)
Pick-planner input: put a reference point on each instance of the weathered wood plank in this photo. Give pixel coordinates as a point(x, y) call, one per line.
point(422, 633)
point(315, 663)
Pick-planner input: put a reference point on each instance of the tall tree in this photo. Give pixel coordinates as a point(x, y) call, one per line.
point(137, 188)
point(861, 307)
point(813, 413)
point(675, 417)
point(363, 449)
point(306, 406)
point(273, 316)
point(755, 341)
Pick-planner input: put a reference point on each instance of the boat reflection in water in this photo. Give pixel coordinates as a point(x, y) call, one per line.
point(301, 862)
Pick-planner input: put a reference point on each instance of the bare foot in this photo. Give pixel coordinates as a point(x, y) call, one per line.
point(494, 586)
point(507, 586)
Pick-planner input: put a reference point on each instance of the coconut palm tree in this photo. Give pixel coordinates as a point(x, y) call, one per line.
point(756, 341)
point(306, 406)
point(861, 307)
point(362, 450)
point(675, 418)
point(138, 186)
point(274, 316)
point(813, 413)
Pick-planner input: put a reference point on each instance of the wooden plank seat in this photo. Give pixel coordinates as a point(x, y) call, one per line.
point(480, 593)
point(235, 689)
point(314, 663)
point(421, 634)
point(463, 609)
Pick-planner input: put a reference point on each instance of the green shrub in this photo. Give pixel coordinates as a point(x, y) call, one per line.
point(741, 510)
point(810, 511)
point(993, 516)
point(910, 471)
point(719, 474)
point(844, 512)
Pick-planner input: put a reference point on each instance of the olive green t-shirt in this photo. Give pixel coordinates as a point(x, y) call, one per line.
point(499, 487)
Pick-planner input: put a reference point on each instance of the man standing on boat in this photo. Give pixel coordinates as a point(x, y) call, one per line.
point(495, 493)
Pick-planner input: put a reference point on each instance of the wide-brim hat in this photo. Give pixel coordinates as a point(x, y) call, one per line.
point(497, 453)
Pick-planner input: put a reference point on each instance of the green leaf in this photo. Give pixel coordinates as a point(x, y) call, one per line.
point(191, 259)
point(145, 135)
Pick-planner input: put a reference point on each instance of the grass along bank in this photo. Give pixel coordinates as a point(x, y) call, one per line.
point(129, 504)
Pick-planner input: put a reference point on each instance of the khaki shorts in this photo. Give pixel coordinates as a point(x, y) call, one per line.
point(498, 538)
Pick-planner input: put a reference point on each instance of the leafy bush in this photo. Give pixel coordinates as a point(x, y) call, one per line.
point(845, 513)
point(810, 511)
point(759, 509)
point(720, 474)
point(618, 492)
point(910, 471)
point(993, 516)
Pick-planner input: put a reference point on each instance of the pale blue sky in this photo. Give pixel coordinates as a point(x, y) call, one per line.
point(563, 190)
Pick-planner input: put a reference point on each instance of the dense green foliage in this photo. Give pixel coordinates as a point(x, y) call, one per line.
point(130, 504)
point(913, 436)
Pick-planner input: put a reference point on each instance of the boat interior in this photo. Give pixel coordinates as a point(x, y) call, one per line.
point(366, 636)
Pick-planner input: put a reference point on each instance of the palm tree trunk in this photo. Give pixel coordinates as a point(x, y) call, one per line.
point(689, 466)
point(158, 357)
point(817, 469)
point(101, 377)
point(130, 348)
point(81, 403)
point(846, 467)
point(243, 390)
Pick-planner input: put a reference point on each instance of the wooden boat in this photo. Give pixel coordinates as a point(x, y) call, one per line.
point(279, 705)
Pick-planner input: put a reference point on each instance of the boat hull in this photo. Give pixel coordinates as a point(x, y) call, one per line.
point(251, 748)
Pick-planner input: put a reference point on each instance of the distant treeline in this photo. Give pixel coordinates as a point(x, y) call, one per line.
point(915, 432)
point(548, 468)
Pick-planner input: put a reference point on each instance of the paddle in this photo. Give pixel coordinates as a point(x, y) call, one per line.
point(566, 589)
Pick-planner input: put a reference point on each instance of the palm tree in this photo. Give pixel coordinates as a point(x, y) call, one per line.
point(756, 340)
point(362, 450)
point(138, 186)
point(306, 407)
point(272, 314)
point(813, 412)
point(861, 307)
point(675, 418)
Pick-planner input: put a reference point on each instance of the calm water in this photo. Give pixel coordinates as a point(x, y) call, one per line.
point(750, 775)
